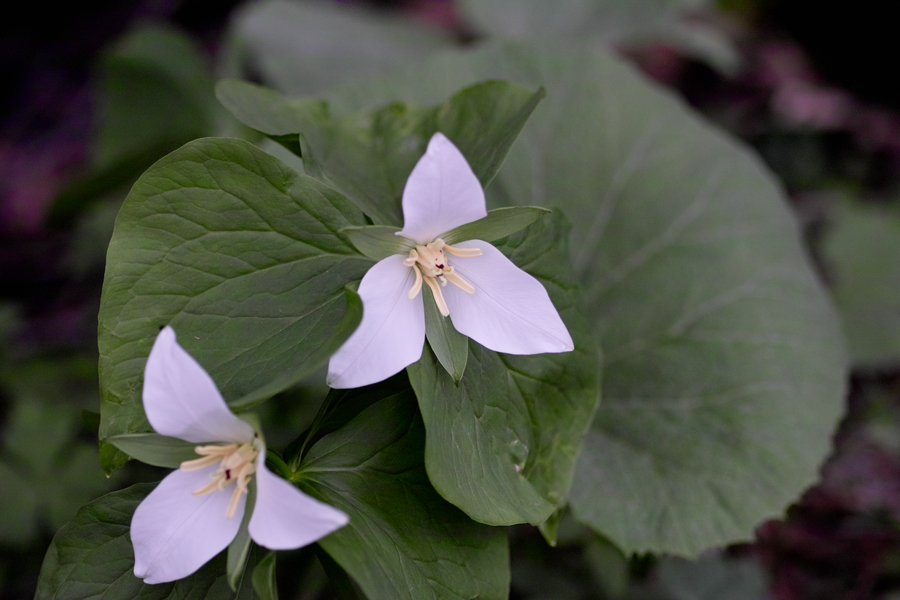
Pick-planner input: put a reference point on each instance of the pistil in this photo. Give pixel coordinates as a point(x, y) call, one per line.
point(237, 463)
point(432, 267)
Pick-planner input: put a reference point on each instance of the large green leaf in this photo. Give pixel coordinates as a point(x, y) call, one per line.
point(241, 256)
point(302, 47)
point(593, 21)
point(724, 369)
point(863, 252)
point(403, 540)
point(92, 558)
point(502, 445)
point(369, 156)
point(157, 91)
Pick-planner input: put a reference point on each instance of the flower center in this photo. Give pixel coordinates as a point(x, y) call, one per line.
point(237, 463)
point(431, 266)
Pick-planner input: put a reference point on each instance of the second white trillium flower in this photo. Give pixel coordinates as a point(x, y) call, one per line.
point(196, 511)
point(486, 296)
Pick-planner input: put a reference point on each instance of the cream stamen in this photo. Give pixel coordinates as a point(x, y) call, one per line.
point(432, 267)
point(236, 465)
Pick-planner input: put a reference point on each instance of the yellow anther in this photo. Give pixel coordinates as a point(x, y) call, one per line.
point(236, 465)
point(431, 266)
point(463, 252)
point(417, 286)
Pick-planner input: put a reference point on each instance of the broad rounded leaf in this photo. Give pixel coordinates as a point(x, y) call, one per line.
point(240, 255)
point(602, 22)
point(403, 541)
point(725, 371)
point(303, 47)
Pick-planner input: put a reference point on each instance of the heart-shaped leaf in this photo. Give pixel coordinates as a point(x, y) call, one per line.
point(241, 256)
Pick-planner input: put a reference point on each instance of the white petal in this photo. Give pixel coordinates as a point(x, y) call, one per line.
point(284, 517)
point(441, 193)
point(181, 399)
point(509, 311)
point(391, 334)
point(175, 533)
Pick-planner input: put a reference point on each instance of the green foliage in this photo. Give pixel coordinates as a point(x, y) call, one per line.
point(378, 241)
point(157, 90)
point(154, 449)
point(403, 540)
point(91, 557)
point(450, 347)
point(498, 223)
point(47, 470)
point(863, 254)
point(502, 444)
point(305, 47)
point(369, 156)
point(264, 578)
point(725, 375)
point(593, 22)
point(240, 255)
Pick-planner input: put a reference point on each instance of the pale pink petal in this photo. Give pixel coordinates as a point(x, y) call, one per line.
point(391, 334)
point(509, 311)
point(441, 193)
point(175, 533)
point(284, 517)
point(181, 399)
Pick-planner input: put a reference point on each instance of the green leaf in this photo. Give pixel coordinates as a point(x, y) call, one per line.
point(154, 449)
point(372, 469)
point(449, 346)
point(92, 557)
point(239, 548)
point(267, 111)
point(239, 254)
point(725, 373)
point(498, 223)
point(156, 92)
point(302, 48)
point(369, 156)
point(711, 577)
point(586, 21)
point(503, 444)
point(479, 436)
point(863, 251)
point(264, 578)
point(378, 241)
point(352, 316)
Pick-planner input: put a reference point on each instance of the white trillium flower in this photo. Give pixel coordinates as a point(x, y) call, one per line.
point(196, 511)
point(488, 299)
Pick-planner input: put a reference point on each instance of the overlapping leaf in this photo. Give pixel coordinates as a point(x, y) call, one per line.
point(481, 433)
point(503, 444)
point(725, 371)
point(368, 156)
point(403, 540)
point(92, 557)
point(239, 254)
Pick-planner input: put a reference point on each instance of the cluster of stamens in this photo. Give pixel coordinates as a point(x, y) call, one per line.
point(237, 464)
point(431, 266)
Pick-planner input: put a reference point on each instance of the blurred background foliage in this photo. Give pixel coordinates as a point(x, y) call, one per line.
point(98, 91)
